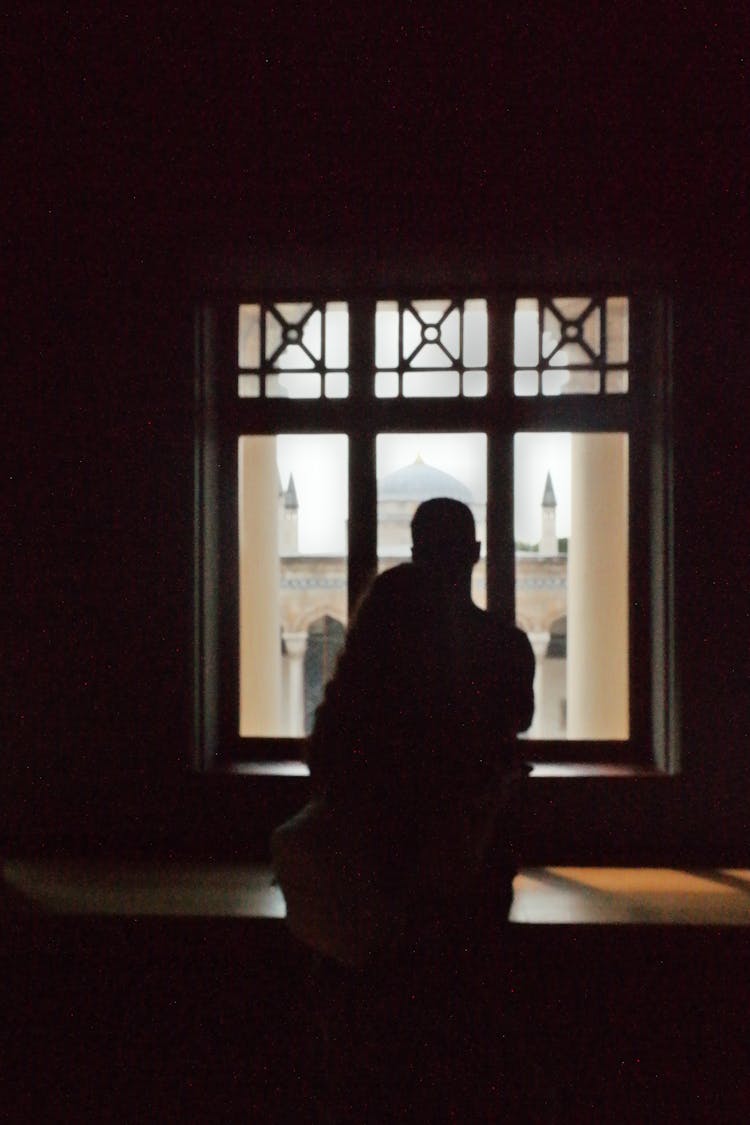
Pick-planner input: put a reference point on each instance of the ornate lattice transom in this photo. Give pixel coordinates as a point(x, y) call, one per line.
point(293, 350)
point(571, 345)
point(431, 348)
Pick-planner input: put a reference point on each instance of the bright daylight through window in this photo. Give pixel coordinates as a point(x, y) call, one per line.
point(333, 419)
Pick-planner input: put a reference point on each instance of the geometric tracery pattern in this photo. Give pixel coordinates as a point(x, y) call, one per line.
point(434, 347)
point(293, 349)
point(571, 345)
point(431, 348)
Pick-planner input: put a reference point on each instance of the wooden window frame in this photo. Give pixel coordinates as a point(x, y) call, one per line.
point(643, 413)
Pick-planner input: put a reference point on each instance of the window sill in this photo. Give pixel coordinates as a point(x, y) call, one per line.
point(540, 770)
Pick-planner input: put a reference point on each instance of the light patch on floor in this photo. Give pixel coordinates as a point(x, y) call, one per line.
point(69, 886)
point(639, 895)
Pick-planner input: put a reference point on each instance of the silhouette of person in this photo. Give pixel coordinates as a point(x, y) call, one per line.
point(429, 693)
point(416, 733)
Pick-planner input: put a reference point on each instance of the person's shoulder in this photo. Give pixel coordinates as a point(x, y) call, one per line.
point(396, 575)
point(389, 590)
point(402, 578)
point(509, 636)
point(495, 623)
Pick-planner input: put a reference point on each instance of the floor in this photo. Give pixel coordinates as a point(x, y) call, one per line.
point(138, 992)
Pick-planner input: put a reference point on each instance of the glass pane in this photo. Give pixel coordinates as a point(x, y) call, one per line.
point(591, 333)
point(291, 357)
point(412, 333)
point(526, 334)
point(430, 384)
point(292, 312)
point(431, 354)
point(248, 336)
point(293, 507)
point(337, 384)
point(571, 308)
point(386, 384)
point(386, 334)
point(571, 534)
point(275, 387)
point(617, 330)
point(569, 354)
point(416, 467)
point(450, 334)
point(248, 386)
point(293, 384)
point(562, 381)
point(475, 334)
point(526, 383)
point(475, 384)
point(429, 311)
point(616, 383)
point(337, 334)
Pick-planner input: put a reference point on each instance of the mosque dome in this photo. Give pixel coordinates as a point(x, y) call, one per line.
point(419, 481)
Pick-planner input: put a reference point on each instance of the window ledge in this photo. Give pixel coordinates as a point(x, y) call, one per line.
point(297, 768)
point(592, 769)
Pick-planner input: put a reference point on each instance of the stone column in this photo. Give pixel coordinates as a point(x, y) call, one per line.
point(260, 619)
point(294, 660)
point(597, 654)
point(539, 642)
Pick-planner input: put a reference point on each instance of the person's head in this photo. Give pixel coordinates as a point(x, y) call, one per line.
point(444, 536)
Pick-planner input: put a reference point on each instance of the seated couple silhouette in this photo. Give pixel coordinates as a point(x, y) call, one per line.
point(398, 872)
point(417, 730)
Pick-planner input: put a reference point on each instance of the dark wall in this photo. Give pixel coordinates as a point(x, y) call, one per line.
point(154, 159)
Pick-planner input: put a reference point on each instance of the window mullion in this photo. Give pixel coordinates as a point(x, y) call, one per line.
point(362, 553)
point(649, 646)
point(229, 561)
point(221, 545)
point(500, 539)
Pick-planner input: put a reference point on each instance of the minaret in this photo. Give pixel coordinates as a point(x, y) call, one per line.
point(548, 542)
point(288, 525)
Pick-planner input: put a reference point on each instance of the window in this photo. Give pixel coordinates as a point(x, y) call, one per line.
point(325, 419)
